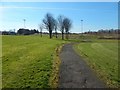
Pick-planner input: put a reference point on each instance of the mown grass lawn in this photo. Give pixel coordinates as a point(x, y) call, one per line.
point(102, 56)
point(27, 61)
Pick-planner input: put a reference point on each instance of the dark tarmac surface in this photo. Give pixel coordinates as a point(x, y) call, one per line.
point(74, 72)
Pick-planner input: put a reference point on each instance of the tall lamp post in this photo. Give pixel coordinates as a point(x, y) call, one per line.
point(81, 26)
point(24, 23)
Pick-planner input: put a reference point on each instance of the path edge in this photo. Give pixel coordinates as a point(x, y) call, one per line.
point(54, 77)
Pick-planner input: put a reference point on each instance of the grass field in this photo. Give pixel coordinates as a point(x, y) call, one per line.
point(102, 56)
point(27, 61)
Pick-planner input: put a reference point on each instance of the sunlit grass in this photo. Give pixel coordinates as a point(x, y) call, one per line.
point(27, 61)
point(102, 56)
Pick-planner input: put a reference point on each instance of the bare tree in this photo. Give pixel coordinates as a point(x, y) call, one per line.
point(41, 28)
point(49, 23)
point(67, 25)
point(61, 25)
point(55, 27)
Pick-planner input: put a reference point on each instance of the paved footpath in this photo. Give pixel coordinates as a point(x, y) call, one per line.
point(74, 72)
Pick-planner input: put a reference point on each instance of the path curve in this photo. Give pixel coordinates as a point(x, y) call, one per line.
point(74, 72)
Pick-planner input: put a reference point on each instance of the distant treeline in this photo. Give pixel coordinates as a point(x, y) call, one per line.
point(110, 31)
point(21, 31)
point(34, 31)
point(7, 33)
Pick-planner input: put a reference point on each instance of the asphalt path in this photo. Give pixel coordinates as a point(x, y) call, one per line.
point(74, 72)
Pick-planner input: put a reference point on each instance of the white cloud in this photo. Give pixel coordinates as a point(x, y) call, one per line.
point(12, 7)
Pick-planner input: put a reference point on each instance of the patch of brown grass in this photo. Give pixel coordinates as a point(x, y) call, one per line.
point(54, 78)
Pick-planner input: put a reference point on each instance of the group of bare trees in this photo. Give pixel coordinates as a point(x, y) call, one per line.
point(62, 24)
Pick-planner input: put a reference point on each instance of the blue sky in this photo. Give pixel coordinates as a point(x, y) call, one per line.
point(95, 15)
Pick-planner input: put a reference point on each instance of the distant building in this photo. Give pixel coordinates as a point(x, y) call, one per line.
point(8, 33)
point(23, 31)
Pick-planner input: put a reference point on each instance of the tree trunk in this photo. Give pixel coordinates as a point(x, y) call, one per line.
point(41, 34)
point(50, 33)
point(66, 35)
point(62, 35)
point(56, 33)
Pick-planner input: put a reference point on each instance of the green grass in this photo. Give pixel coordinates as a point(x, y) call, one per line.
point(27, 61)
point(31, 61)
point(102, 56)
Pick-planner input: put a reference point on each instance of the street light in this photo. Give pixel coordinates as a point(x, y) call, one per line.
point(81, 26)
point(24, 22)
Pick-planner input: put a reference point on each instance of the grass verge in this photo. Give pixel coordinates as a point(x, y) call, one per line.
point(102, 57)
point(55, 68)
